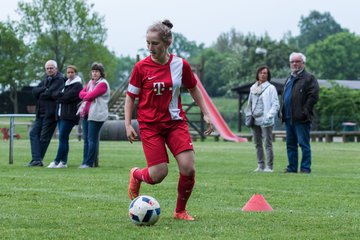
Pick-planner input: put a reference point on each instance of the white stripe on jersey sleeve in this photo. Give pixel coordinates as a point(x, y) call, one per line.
point(176, 67)
point(134, 90)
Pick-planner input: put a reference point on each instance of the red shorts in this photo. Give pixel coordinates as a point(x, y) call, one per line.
point(154, 136)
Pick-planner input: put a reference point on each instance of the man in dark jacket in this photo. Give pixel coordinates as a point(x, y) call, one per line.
point(45, 123)
point(301, 92)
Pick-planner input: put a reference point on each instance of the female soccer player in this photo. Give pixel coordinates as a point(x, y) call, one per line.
point(156, 81)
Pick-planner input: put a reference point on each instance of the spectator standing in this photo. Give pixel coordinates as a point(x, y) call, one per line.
point(301, 93)
point(94, 112)
point(45, 122)
point(67, 103)
point(263, 105)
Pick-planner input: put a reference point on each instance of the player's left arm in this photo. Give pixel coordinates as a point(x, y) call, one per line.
point(198, 98)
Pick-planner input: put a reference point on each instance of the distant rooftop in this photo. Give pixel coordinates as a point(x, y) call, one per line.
point(279, 83)
point(352, 84)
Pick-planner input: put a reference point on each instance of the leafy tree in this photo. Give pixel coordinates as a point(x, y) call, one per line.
point(336, 57)
point(315, 27)
point(182, 47)
point(337, 105)
point(13, 60)
point(124, 67)
point(235, 57)
point(67, 31)
point(211, 64)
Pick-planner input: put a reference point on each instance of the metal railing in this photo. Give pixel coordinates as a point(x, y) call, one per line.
point(12, 131)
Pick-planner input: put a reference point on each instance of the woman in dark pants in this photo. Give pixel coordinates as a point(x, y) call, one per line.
point(67, 102)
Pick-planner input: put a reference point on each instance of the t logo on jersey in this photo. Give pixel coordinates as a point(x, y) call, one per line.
point(159, 87)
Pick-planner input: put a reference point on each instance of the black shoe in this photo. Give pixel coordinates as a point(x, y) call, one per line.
point(35, 164)
point(289, 171)
point(305, 171)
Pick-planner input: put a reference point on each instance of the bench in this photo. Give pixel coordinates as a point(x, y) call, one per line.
point(327, 136)
point(350, 136)
point(249, 136)
point(321, 135)
point(279, 134)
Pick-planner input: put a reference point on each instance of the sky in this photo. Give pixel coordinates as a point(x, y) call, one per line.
point(203, 21)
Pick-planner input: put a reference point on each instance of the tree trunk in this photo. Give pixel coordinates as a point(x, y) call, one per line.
point(14, 100)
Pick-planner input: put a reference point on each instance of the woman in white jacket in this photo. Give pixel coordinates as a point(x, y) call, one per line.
point(263, 105)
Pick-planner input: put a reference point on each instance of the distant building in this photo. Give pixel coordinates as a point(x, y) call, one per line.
point(26, 101)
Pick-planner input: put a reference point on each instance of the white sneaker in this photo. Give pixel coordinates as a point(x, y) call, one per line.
point(61, 165)
point(52, 165)
point(84, 166)
point(258, 169)
point(268, 169)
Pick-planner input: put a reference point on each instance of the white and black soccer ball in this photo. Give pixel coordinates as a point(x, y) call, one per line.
point(144, 210)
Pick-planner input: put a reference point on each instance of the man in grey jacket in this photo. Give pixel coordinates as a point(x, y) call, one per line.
point(301, 92)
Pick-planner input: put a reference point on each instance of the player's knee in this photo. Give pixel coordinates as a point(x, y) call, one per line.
point(189, 171)
point(158, 178)
point(158, 173)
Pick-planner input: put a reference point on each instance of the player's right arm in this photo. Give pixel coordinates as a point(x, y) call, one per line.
point(129, 108)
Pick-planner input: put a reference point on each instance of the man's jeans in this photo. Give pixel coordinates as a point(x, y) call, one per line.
point(40, 136)
point(298, 134)
point(91, 136)
point(65, 127)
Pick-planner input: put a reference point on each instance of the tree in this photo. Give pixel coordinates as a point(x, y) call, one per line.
point(336, 57)
point(182, 47)
point(316, 27)
point(13, 61)
point(337, 105)
point(67, 31)
point(212, 63)
point(124, 67)
point(235, 57)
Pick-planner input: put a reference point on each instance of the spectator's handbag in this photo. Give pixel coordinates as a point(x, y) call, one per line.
point(250, 121)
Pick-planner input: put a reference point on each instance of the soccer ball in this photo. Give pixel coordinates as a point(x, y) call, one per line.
point(144, 210)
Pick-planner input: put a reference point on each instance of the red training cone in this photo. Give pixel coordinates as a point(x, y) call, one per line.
point(257, 203)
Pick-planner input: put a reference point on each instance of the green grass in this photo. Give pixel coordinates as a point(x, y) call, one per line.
point(41, 203)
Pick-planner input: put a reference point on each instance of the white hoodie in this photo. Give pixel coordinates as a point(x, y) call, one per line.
point(263, 104)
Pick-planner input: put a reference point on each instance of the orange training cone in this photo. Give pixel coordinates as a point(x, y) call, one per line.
point(257, 203)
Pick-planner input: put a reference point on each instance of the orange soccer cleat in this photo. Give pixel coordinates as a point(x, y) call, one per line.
point(183, 215)
point(134, 185)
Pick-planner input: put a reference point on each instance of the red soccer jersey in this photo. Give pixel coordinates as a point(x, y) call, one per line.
point(158, 88)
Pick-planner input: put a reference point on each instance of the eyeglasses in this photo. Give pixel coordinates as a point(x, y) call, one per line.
point(296, 61)
point(49, 68)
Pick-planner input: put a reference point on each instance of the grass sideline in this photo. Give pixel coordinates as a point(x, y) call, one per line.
point(41, 203)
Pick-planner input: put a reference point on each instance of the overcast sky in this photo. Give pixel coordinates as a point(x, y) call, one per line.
point(204, 20)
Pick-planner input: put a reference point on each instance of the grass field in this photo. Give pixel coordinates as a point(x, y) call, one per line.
point(41, 203)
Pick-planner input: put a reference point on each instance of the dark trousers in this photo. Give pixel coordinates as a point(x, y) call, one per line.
point(91, 136)
point(298, 134)
point(40, 136)
point(65, 127)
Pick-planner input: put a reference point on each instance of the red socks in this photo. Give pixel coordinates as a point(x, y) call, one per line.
point(143, 175)
point(185, 187)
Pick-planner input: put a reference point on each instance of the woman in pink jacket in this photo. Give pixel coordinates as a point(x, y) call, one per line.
point(94, 112)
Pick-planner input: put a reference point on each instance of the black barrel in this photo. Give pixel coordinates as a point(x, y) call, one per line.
point(114, 130)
